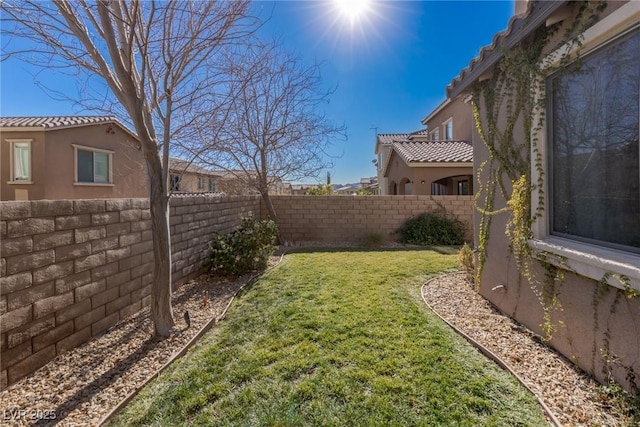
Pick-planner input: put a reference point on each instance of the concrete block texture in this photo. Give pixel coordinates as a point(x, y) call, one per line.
point(71, 269)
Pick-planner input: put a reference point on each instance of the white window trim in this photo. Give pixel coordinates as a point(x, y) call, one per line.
point(431, 134)
point(588, 260)
point(12, 180)
point(444, 127)
point(77, 147)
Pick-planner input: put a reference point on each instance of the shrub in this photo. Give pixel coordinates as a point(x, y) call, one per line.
point(245, 249)
point(433, 228)
point(465, 260)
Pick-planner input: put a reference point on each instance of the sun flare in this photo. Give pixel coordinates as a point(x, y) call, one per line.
point(353, 10)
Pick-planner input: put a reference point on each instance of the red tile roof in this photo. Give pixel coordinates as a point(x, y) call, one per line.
point(434, 151)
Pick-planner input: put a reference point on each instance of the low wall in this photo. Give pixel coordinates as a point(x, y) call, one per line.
point(351, 218)
point(70, 269)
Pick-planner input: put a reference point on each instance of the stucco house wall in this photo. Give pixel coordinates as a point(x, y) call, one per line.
point(459, 111)
point(595, 325)
point(53, 164)
point(399, 171)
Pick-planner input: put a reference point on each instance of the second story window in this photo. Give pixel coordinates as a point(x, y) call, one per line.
point(212, 185)
point(434, 135)
point(200, 183)
point(448, 130)
point(21, 160)
point(93, 166)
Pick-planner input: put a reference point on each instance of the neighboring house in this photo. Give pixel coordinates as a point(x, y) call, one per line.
point(370, 185)
point(185, 177)
point(238, 182)
point(588, 222)
point(69, 158)
point(301, 189)
point(436, 160)
point(451, 120)
point(383, 152)
point(430, 168)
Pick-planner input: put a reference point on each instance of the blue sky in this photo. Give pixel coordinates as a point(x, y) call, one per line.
point(390, 66)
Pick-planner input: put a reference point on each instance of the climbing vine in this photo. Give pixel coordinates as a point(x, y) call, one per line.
point(511, 103)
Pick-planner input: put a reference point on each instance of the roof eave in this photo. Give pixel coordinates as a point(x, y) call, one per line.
point(439, 108)
point(422, 164)
point(490, 55)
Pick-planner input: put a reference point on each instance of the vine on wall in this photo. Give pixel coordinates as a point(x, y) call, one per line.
point(511, 100)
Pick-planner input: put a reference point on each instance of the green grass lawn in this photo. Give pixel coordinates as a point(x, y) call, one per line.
point(338, 338)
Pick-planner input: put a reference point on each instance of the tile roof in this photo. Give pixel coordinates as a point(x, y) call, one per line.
point(518, 28)
point(53, 122)
point(180, 165)
point(434, 151)
point(388, 138)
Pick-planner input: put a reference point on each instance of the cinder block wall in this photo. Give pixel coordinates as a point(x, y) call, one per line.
point(351, 218)
point(70, 269)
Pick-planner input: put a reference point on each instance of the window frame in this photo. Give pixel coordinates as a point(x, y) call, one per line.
point(434, 135)
point(583, 258)
point(12, 159)
point(446, 125)
point(110, 154)
point(178, 180)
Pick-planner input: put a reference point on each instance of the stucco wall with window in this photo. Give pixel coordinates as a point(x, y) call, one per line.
point(460, 113)
point(21, 190)
point(54, 166)
point(594, 324)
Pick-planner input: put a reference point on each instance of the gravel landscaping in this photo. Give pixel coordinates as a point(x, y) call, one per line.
point(83, 385)
point(573, 397)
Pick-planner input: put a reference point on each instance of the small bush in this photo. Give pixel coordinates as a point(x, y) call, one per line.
point(245, 249)
point(465, 260)
point(433, 228)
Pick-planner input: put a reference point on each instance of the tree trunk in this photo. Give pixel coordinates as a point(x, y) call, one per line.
point(271, 211)
point(161, 311)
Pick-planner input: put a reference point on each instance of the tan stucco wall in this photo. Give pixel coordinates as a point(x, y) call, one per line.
point(462, 115)
point(585, 322)
point(53, 167)
point(189, 182)
point(399, 170)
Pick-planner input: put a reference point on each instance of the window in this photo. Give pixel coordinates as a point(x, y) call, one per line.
point(174, 182)
point(602, 96)
point(20, 160)
point(212, 185)
point(463, 188)
point(594, 159)
point(200, 183)
point(438, 189)
point(448, 130)
point(434, 135)
point(93, 165)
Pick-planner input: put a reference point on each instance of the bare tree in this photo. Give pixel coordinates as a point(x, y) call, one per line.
point(275, 129)
point(160, 64)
